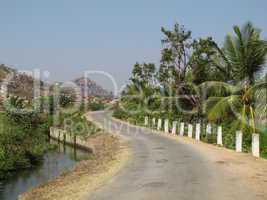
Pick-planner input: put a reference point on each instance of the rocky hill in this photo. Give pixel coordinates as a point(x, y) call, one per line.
point(22, 85)
point(91, 88)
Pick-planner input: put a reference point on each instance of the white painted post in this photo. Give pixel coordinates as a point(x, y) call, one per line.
point(153, 122)
point(174, 126)
point(166, 126)
point(159, 124)
point(146, 121)
point(238, 143)
point(198, 131)
point(208, 129)
point(190, 130)
point(219, 136)
point(256, 145)
point(182, 129)
point(51, 131)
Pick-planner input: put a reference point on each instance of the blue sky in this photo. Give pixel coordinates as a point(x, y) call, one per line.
point(67, 37)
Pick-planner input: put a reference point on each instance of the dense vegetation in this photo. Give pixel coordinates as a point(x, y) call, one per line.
point(23, 137)
point(24, 127)
point(69, 114)
point(96, 105)
point(76, 124)
point(198, 81)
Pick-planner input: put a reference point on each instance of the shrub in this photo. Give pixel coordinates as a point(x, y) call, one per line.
point(95, 106)
point(21, 144)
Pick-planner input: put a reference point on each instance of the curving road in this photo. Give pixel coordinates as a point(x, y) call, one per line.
point(164, 169)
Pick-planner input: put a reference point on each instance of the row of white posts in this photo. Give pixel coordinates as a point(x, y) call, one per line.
point(239, 135)
point(63, 136)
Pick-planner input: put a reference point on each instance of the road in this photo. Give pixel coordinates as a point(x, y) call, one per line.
point(164, 169)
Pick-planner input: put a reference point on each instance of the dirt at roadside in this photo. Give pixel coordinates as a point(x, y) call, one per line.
point(111, 154)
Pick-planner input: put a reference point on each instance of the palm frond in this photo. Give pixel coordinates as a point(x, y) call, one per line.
point(216, 88)
point(253, 89)
point(220, 107)
point(246, 52)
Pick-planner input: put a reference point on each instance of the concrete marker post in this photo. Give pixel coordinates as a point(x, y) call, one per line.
point(166, 126)
point(255, 145)
point(174, 127)
point(51, 132)
point(219, 136)
point(190, 130)
point(159, 124)
point(238, 142)
point(146, 121)
point(182, 129)
point(154, 122)
point(198, 128)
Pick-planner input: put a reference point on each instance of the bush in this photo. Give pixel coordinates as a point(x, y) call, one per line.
point(120, 113)
point(21, 146)
point(77, 124)
point(67, 97)
point(95, 106)
point(263, 142)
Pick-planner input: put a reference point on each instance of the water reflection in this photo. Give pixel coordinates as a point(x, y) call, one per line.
point(54, 163)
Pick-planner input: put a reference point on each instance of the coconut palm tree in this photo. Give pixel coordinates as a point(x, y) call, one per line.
point(242, 59)
point(243, 55)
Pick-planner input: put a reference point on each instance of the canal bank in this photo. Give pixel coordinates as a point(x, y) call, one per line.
point(110, 155)
point(55, 162)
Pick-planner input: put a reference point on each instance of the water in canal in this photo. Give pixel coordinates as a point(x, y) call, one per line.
point(53, 164)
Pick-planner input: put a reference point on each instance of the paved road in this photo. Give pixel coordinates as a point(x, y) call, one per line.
point(164, 169)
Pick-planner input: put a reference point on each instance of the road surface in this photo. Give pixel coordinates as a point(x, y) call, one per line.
point(164, 169)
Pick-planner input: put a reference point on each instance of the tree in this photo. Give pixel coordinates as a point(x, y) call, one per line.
point(202, 61)
point(67, 96)
point(244, 56)
point(138, 95)
point(142, 80)
point(175, 55)
point(143, 74)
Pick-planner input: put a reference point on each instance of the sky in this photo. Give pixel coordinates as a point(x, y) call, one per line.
point(68, 37)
